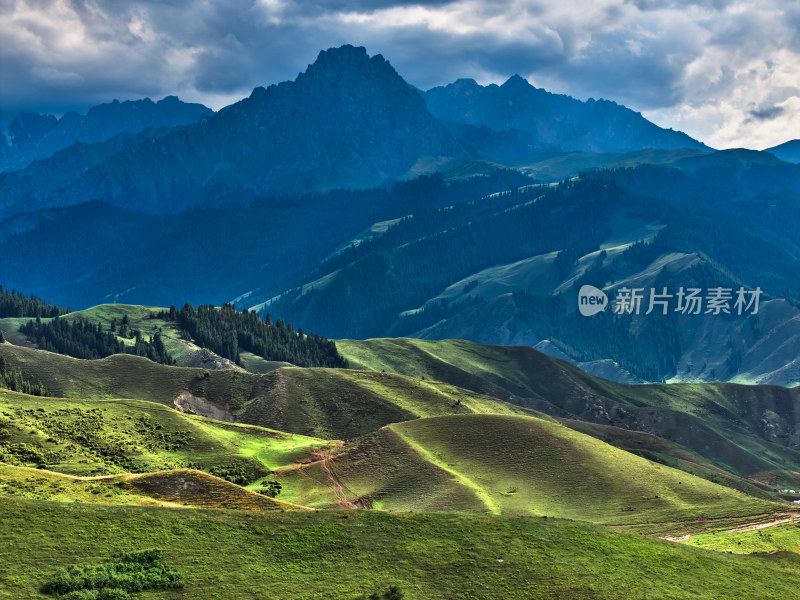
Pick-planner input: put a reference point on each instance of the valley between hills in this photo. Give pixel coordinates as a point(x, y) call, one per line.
point(443, 468)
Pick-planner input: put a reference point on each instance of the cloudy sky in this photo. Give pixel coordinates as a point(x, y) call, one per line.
point(727, 73)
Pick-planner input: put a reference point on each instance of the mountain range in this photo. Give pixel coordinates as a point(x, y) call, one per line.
point(356, 204)
point(349, 121)
point(32, 136)
point(554, 121)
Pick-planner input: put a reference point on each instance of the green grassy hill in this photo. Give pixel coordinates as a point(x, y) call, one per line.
point(139, 317)
point(513, 465)
point(751, 431)
point(342, 555)
point(189, 487)
point(708, 430)
point(26, 482)
point(670, 454)
point(325, 403)
point(95, 437)
point(782, 537)
point(343, 404)
point(126, 376)
point(483, 470)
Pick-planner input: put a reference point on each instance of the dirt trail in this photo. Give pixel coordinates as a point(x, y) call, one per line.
point(778, 519)
point(338, 489)
point(782, 519)
point(324, 459)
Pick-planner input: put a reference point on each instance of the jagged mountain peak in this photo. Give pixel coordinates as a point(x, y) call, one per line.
point(346, 56)
point(350, 66)
point(556, 121)
point(517, 82)
point(346, 73)
point(349, 121)
point(464, 85)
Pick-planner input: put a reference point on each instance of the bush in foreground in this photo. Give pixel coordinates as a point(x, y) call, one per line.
point(114, 579)
point(393, 593)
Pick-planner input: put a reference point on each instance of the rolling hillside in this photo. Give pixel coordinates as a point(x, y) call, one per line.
point(452, 476)
point(747, 430)
point(179, 344)
point(99, 437)
point(513, 465)
point(742, 436)
point(325, 403)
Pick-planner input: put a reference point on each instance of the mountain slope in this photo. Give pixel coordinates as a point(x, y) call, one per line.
point(208, 255)
point(507, 270)
point(37, 186)
point(101, 437)
point(183, 487)
point(35, 137)
point(557, 122)
point(517, 465)
point(726, 433)
point(747, 430)
point(788, 151)
point(349, 121)
point(325, 403)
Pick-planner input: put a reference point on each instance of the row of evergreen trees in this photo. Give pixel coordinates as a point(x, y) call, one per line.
point(17, 304)
point(14, 380)
point(226, 331)
point(83, 339)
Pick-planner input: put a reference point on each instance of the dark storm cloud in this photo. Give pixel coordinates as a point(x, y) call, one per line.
point(767, 114)
point(691, 62)
point(61, 55)
point(428, 61)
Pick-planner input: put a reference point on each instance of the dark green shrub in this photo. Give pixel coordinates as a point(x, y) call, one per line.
point(393, 593)
point(235, 473)
point(271, 489)
point(115, 579)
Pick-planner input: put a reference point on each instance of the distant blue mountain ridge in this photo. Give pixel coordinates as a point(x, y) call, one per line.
point(358, 206)
point(349, 121)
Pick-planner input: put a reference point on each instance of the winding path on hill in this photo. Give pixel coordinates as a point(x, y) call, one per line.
point(338, 488)
point(778, 519)
point(324, 458)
